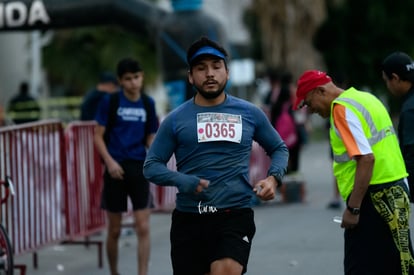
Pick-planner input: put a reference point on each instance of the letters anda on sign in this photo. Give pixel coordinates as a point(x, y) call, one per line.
point(18, 14)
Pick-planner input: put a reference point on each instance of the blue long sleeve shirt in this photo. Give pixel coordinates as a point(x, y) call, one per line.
point(213, 143)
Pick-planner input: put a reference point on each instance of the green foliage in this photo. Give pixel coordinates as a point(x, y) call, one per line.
point(358, 35)
point(75, 57)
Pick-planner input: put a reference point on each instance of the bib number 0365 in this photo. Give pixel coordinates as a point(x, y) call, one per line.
point(219, 127)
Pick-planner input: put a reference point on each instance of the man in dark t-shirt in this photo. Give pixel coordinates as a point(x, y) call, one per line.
point(107, 84)
point(23, 107)
point(398, 74)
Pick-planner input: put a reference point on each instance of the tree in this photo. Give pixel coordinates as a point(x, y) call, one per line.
point(285, 29)
point(357, 35)
point(75, 57)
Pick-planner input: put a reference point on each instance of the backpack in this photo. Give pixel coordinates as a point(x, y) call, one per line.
point(113, 107)
point(286, 127)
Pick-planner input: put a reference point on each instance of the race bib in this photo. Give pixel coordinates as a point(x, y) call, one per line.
point(219, 127)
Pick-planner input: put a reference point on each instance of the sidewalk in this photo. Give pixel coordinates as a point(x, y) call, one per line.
point(295, 238)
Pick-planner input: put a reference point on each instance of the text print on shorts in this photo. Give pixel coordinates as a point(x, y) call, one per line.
point(203, 209)
point(219, 127)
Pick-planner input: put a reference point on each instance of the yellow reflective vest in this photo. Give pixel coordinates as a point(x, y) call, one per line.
point(378, 129)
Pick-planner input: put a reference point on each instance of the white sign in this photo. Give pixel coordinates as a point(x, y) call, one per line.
point(242, 72)
point(17, 14)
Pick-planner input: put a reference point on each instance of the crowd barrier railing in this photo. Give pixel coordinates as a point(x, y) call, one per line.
point(83, 214)
point(33, 156)
point(84, 182)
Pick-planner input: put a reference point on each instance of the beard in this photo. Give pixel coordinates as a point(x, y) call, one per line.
point(210, 94)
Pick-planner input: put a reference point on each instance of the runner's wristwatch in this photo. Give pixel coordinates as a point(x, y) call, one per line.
point(354, 211)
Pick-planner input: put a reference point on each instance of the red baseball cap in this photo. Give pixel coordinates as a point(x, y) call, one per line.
point(307, 82)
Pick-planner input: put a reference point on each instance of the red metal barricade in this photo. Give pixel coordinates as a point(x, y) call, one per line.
point(84, 182)
point(33, 155)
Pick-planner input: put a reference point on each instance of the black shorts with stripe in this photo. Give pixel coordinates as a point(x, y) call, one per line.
point(198, 240)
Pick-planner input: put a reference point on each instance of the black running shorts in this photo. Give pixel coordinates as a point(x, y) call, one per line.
point(198, 240)
point(115, 192)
